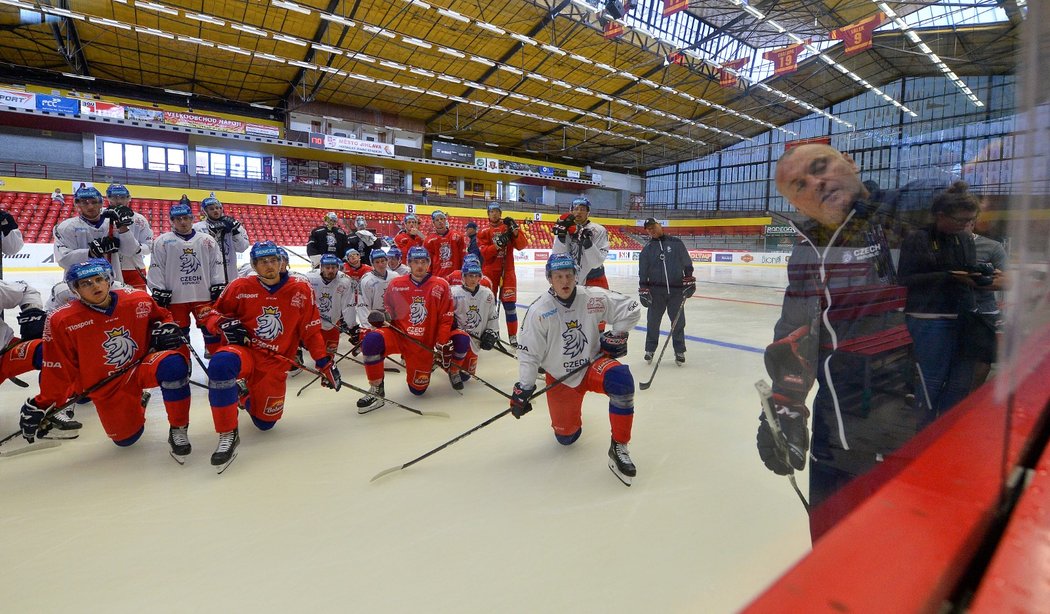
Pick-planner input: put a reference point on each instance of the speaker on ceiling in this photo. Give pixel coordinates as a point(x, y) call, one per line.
point(617, 8)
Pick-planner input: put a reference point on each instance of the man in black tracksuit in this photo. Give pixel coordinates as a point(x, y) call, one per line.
point(665, 280)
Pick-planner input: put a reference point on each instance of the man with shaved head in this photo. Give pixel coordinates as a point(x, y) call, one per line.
point(841, 310)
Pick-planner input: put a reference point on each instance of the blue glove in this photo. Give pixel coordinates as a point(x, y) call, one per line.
point(30, 421)
point(614, 344)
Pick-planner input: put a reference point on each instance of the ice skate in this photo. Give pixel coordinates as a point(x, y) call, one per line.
point(456, 379)
point(648, 358)
point(679, 359)
point(226, 451)
point(620, 463)
point(180, 443)
point(371, 401)
point(63, 420)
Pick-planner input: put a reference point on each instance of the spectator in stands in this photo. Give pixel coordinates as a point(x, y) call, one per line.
point(665, 281)
point(841, 253)
point(134, 268)
point(327, 239)
point(57, 200)
point(586, 241)
point(472, 240)
point(227, 232)
point(938, 265)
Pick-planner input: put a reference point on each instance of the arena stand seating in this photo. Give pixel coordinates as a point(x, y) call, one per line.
point(37, 216)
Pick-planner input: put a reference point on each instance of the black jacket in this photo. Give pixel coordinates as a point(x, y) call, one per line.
point(663, 263)
point(325, 241)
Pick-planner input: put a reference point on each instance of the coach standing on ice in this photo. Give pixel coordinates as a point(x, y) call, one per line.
point(665, 280)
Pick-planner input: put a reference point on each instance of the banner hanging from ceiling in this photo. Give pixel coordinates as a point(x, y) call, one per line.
point(857, 36)
point(729, 79)
point(785, 59)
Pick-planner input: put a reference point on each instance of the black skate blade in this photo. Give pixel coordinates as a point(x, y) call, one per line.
point(391, 370)
point(60, 437)
point(626, 479)
point(367, 410)
point(226, 465)
point(33, 447)
point(181, 460)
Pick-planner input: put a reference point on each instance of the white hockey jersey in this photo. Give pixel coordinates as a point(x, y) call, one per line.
point(231, 245)
point(73, 236)
point(188, 266)
point(12, 242)
point(475, 312)
point(560, 338)
point(144, 235)
point(61, 294)
point(372, 288)
point(335, 299)
point(588, 259)
point(402, 269)
point(15, 294)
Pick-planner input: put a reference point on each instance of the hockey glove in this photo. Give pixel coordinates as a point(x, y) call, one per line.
point(31, 421)
point(512, 226)
point(162, 297)
point(7, 223)
point(103, 246)
point(614, 345)
point(377, 319)
point(229, 225)
point(791, 421)
point(234, 332)
point(216, 291)
point(124, 216)
point(489, 338)
point(166, 336)
point(688, 286)
point(443, 352)
point(329, 373)
point(789, 362)
point(519, 400)
point(354, 333)
point(585, 238)
point(501, 240)
point(645, 297)
point(31, 323)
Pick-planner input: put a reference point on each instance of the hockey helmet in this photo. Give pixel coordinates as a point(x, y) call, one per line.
point(360, 223)
point(330, 259)
point(394, 252)
point(411, 217)
point(471, 267)
point(560, 262)
point(282, 254)
point(438, 214)
point(351, 251)
point(210, 201)
point(418, 253)
point(179, 209)
point(377, 254)
point(87, 192)
point(263, 249)
point(331, 217)
point(117, 190)
point(576, 202)
point(495, 206)
point(87, 270)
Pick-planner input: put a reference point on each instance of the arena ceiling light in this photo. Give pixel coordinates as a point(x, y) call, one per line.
point(160, 8)
point(178, 92)
point(291, 6)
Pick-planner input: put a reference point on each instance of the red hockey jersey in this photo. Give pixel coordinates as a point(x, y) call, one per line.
point(404, 241)
point(84, 345)
point(446, 252)
point(496, 259)
point(423, 310)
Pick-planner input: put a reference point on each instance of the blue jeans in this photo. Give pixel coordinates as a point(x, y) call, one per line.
point(948, 375)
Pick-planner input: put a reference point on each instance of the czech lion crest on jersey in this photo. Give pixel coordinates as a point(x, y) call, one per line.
point(188, 261)
point(575, 340)
point(473, 318)
point(324, 302)
point(119, 346)
point(445, 252)
point(417, 312)
point(269, 325)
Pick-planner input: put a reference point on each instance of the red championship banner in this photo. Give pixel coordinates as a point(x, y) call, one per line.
point(677, 58)
point(857, 36)
point(673, 6)
point(613, 29)
point(726, 78)
point(207, 122)
point(785, 59)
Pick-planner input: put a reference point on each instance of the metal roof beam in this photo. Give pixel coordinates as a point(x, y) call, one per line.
point(322, 29)
point(69, 47)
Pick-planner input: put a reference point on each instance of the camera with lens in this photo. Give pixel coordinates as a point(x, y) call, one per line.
point(985, 273)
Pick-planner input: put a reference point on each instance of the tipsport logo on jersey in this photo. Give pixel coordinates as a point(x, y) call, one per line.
point(269, 325)
point(119, 347)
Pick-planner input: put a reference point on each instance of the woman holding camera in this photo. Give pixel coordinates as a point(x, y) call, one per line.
point(938, 265)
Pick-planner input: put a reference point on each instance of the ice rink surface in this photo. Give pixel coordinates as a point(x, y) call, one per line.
point(505, 520)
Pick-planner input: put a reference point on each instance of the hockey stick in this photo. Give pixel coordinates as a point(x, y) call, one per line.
point(341, 357)
point(437, 414)
point(498, 346)
point(480, 426)
point(299, 256)
point(18, 382)
point(674, 323)
point(446, 370)
point(779, 439)
point(51, 411)
point(200, 362)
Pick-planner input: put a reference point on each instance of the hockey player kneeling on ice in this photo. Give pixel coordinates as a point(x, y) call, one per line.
point(560, 333)
point(24, 352)
point(261, 320)
point(477, 323)
point(103, 332)
point(334, 296)
point(419, 305)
